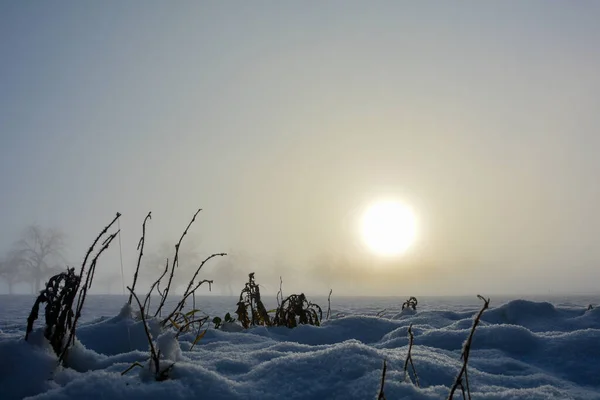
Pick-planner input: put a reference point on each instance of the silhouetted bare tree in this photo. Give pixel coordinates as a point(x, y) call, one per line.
point(40, 250)
point(12, 270)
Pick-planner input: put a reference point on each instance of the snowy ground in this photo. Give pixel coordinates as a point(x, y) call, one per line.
point(523, 349)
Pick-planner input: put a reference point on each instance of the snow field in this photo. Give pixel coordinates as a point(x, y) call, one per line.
point(521, 350)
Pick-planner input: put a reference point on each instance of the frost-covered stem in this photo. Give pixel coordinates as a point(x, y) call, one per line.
point(91, 249)
point(409, 359)
point(381, 393)
point(467, 383)
point(466, 351)
point(87, 255)
point(175, 263)
point(87, 285)
point(140, 247)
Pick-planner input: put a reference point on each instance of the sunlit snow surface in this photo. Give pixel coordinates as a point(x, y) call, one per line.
point(523, 349)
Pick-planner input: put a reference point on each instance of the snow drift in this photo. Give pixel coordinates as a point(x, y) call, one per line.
point(521, 350)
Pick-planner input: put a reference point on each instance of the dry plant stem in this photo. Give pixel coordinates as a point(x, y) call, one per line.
point(91, 249)
point(465, 354)
point(90, 275)
point(199, 321)
point(175, 263)
point(132, 366)
point(381, 394)
point(87, 285)
point(181, 304)
point(140, 247)
point(155, 284)
point(280, 293)
point(467, 383)
point(409, 359)
point(153, 353)
point(189, 291)
point(329, 304)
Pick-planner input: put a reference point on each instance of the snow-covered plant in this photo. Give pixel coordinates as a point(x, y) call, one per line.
point(410, 303)
point(62, 313)
point(58, 296)
point(465, 356)
point(296, 309)
point(159, 373)
point(293, 310)
point(409, 360)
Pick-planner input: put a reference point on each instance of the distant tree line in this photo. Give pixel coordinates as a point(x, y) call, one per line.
point(38, 254)
point(35, 256)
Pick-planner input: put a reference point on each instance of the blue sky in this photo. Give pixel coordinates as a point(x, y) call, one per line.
point(283, 120)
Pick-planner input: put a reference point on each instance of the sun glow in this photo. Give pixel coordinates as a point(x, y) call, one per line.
point(388, 228)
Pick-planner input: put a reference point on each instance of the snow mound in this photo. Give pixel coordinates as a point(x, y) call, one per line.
point(521, 350)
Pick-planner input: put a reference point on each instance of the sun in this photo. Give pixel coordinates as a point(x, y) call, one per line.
point(388, 228)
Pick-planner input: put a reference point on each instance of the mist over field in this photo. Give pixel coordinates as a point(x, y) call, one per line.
point(285, 123)
point(299, 200)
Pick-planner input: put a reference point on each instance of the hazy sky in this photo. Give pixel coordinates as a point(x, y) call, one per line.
point(282, 120)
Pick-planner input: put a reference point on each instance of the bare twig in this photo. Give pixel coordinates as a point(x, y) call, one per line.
point(132, 366)
point(153, 354)
point(199, 321)
point(409, 359)
point(155, 284)
point(91, 249)
point(87, 285)
point(175, 263)
point(280, 293)
point(189, 291)
point(329, 304)
point(87, 255)
point(381, 394)
point(465, 354)
point(140, 247)
point(181, 304)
